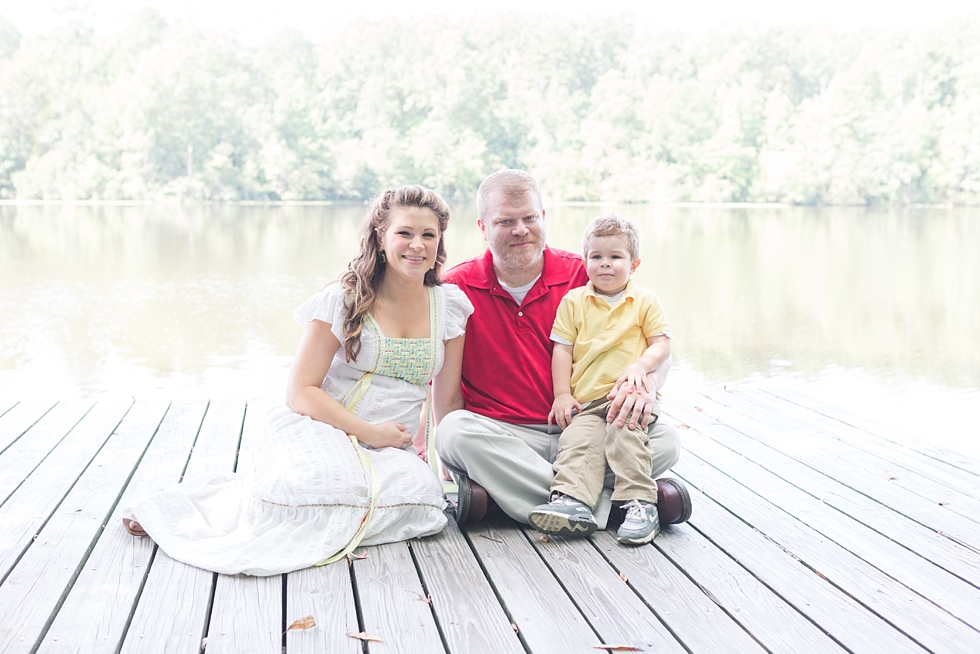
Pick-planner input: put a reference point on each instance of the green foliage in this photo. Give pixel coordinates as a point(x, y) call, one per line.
point(597, 110)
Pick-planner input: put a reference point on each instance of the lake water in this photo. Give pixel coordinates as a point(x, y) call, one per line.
point(860, 308)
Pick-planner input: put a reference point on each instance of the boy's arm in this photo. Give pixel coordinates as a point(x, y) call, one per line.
point(635, 375)
point(561, 378)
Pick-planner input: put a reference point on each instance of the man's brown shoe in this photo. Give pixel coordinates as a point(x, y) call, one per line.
point(472, 502)
point(673, 501)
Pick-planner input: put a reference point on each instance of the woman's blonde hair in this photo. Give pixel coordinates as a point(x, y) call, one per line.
point(364, 272)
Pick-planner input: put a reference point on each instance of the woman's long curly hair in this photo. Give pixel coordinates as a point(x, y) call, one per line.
point(365, 271)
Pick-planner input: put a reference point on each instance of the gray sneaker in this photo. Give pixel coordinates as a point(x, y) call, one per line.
point(563, 516)
point(642, 524)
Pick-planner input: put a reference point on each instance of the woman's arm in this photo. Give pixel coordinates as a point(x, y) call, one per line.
point(304, 395)
point(447, 392)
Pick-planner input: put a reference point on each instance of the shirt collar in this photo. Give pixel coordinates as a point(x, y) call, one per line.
point(487, 277)
point(628, 293)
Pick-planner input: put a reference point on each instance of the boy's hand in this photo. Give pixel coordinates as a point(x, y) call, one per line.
point(561, 410)
point(634, 378)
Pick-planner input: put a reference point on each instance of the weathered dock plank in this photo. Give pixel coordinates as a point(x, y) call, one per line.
point(876, 429)
point(36, 499)
point(33, 591)
point(324, 593)
point(690, 614)
point(6, 405)
point(951, 555)
point(469, 616)
point(797, 544)
point(238, 595)
point(920, 618)
point(174, 589)
point(772, 621)
point(96, 614)
point(610, 606)
point(21, 417)
point(835, 612)
point(547, 620)
point(917, 573)
point(20, 459)
point(392, 601)
point(953, 490)
point(865, 473)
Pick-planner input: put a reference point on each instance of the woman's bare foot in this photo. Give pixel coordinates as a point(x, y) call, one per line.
point(133, 527)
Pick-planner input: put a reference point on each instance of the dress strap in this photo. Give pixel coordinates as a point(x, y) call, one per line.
point(355, 393)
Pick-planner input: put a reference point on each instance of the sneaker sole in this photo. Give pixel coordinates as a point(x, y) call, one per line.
point(643, 540)
point(558, 524)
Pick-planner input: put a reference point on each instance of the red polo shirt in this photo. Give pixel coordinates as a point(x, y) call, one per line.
point(507, 352)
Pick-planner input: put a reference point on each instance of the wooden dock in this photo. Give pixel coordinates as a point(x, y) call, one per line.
point(812, 532)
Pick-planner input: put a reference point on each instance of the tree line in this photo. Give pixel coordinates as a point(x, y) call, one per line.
point(597, 109)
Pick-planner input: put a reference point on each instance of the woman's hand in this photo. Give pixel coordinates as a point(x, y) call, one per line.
point(386, 434)
point(561, 410)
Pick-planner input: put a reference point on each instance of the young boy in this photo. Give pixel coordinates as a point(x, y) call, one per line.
point(601, 329)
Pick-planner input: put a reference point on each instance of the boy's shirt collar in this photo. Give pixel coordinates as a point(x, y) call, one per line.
point(628, 293)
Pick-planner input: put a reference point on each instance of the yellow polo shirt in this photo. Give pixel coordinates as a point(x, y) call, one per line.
point(606, 338)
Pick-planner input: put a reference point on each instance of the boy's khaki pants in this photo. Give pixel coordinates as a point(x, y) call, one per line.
point(589, 444)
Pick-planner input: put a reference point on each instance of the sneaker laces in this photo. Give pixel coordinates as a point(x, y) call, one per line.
point(633, 508)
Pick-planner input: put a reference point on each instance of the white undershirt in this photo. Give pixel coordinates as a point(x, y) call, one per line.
point(518, 292)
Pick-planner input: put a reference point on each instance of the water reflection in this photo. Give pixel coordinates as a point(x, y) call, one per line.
point(195, 301)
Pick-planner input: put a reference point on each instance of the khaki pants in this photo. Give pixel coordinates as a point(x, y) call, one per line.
point(514, 462)
point(588, 445)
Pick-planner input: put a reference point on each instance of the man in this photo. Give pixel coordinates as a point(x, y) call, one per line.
point(501, 441)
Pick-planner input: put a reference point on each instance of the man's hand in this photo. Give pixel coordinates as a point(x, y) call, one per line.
point(561, 410)
point(635, 405)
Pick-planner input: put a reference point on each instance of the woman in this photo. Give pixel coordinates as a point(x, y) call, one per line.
point(345, 471)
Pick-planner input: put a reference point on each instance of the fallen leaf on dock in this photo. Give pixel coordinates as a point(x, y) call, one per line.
point(618, 648)
point(887, 475)
point(943, 503)
point(622, 575)
point(425, 598)
point(699, 409)
point(363, 635)
point(543, 538)
point(513, 625)
point(683, 426)
point(303, 623)
point(496, 540)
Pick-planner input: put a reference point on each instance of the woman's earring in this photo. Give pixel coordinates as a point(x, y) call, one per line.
point(383, 259)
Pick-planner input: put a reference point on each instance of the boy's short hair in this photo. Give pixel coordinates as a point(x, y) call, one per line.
point(613, 225)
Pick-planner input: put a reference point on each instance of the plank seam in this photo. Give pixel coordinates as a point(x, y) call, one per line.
point(833, 479)
point(50, 452)
point(813, 569)
point(60, 501)
point(28, 428)
point(493, 587)
point(425, 590)
point(913, 446)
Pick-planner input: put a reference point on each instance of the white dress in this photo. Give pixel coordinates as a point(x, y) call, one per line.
point(311, 500)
